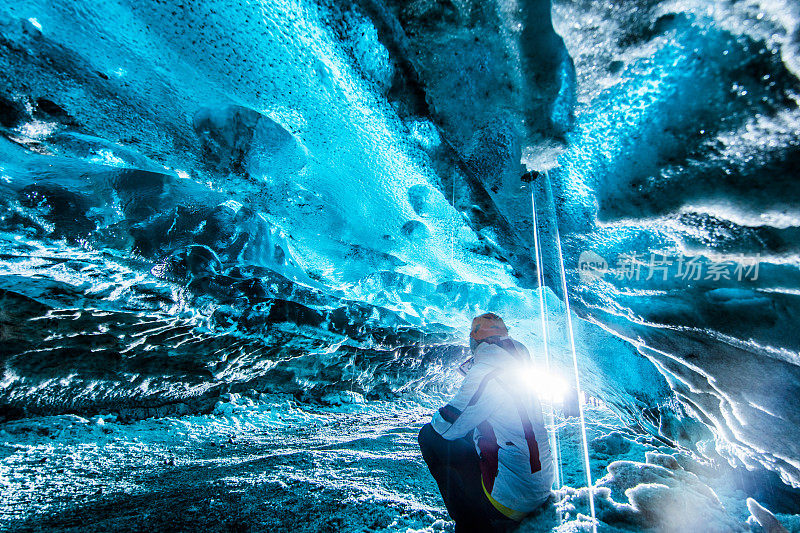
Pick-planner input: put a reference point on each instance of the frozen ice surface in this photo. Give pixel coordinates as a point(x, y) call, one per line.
point(256, 464)
point(268, 463)
point(314, 198)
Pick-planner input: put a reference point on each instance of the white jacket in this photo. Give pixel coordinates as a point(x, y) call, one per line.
point(496, 400)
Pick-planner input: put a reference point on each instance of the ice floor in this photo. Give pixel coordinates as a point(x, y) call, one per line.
point(264, 466)
point(267, 463)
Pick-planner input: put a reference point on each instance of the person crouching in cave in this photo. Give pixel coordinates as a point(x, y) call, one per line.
point(488, 448)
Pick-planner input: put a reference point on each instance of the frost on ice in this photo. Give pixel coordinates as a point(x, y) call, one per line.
point(240, 246)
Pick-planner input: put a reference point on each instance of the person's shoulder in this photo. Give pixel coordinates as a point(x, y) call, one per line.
point(519, 346)
point(486, 352)
point(485, 367)
point(503, 344)
point(482, 366)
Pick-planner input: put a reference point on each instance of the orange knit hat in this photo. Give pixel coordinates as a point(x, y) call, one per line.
point(487, 325)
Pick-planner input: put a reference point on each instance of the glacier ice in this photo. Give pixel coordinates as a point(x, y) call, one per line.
point(205, 202)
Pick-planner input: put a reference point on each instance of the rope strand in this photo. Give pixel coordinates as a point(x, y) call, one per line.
point(571, 333)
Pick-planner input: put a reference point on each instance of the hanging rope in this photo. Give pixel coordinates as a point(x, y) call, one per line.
point(554, 442)
point(571, 333)
point(556, 445)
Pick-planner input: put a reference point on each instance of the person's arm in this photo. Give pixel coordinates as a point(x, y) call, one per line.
point(475, 401)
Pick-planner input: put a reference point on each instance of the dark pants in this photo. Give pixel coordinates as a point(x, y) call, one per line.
point(454, 465)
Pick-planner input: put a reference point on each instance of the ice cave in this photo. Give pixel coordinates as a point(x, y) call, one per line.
point(243, 242)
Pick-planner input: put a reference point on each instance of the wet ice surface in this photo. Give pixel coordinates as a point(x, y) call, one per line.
point(268, 463)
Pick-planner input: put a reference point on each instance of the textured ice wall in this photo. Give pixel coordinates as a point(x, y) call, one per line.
point(294, 194)
point(687, 146)
point(198, 196)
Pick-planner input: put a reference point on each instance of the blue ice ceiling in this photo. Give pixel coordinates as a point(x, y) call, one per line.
point(307, 196)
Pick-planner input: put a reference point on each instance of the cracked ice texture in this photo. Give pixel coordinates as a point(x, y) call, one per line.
point(291, 195)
